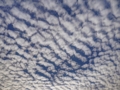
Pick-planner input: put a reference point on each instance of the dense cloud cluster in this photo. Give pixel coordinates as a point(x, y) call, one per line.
point(59, 44)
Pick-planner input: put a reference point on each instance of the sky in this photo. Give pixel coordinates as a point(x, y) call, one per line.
point(59, 44)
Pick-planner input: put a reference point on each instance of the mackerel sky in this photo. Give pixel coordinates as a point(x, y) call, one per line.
point(59, 44)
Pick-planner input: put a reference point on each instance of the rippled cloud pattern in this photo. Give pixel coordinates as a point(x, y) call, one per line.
point(59, 44)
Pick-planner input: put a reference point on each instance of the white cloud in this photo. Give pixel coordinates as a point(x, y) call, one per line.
point(20, 25)
point(29, 5)
point(115, 8)
point(9, 3)
point(11, 33)
point(22, 15)
point(70, 2)
point(52, 20)
point(42, 24)
point(49, 4)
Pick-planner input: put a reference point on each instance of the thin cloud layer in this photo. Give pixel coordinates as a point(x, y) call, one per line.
point(59, 45)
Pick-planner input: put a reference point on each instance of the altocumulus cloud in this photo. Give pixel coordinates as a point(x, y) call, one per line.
point(59, 45)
